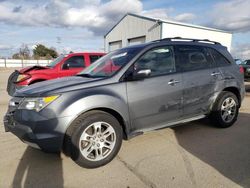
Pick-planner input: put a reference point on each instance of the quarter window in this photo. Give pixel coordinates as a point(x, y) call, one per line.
point(219, 59)
point(192, 58)
point(158, 60)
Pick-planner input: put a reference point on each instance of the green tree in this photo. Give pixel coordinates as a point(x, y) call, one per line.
point(41, 51)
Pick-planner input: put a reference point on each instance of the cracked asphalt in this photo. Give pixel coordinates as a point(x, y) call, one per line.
point(195, 154)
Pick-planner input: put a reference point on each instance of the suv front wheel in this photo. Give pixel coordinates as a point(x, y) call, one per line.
point(225, 110)
point(96, 139)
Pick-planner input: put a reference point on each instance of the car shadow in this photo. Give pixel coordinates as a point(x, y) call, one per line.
point(38, 169)
point(226, 150)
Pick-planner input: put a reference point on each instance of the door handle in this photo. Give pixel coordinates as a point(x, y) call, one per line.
point(172, 82)
point(215, 73)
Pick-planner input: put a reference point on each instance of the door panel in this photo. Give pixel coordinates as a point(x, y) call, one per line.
point(199, 88)
point(155, 100)
point(199, 79)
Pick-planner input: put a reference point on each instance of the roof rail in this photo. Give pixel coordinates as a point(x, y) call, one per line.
point(188, 39)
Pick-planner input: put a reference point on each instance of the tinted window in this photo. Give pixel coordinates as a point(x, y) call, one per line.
point(247, 62)
point(111, 63)
point(193, 58)
point(75, 62)
point(93, 58)
point(158, 60)
point(219, 59)
point(56, 61)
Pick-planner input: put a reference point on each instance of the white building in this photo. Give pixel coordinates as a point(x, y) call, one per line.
point(135, 29)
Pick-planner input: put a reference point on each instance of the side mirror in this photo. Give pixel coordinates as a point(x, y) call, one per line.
point(141, 74)
point(65, 66)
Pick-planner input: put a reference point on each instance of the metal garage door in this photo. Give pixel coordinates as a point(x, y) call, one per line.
point(137, 40)
point(115, 45)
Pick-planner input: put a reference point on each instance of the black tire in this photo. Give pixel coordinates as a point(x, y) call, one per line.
point(80, 125)
point(216, 116)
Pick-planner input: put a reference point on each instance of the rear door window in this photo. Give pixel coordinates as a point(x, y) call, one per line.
point(191, 58)
point(93, 58)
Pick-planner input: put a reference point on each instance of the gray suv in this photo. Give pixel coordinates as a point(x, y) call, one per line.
point(126, 93)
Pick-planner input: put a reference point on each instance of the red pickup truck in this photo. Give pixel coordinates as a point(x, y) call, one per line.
point(64, 65)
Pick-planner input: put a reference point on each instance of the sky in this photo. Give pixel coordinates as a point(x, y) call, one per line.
point(79, 25)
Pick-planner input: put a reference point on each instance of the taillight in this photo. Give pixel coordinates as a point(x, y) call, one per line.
point(241, 70)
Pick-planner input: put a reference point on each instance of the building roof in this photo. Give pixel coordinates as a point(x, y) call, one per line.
point(166, 21)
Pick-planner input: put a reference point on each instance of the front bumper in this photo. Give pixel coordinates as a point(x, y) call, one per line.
point(45, 134)
point(12, 86)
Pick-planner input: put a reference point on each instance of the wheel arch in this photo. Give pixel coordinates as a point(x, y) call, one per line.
point(119, 118)
point(66, 147)
point(235, 91)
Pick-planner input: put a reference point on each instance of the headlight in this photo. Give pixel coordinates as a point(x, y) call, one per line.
point(37, 103)
point(22, 77)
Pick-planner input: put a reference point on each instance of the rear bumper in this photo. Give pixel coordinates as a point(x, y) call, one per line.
point(46, 135)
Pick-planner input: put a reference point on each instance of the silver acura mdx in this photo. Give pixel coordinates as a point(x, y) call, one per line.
point(126, 93)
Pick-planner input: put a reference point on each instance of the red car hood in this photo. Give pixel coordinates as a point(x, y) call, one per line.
point(32, 68)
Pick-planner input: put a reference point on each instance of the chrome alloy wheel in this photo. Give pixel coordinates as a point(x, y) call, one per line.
point(228, 109)
point(97, 141)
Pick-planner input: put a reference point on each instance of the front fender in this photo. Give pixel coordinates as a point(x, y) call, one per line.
point(75, 103)
point(97, 101)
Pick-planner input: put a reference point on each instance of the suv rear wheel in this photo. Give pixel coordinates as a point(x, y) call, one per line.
point(226, 109)
point(96, 139)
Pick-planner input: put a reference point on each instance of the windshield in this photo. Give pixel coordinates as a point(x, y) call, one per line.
point(111, 63)
point(55, 61)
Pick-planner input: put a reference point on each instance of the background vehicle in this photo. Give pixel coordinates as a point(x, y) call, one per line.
point(238, 61)
point(246, 67)
point(126, 93)
point(64, 65)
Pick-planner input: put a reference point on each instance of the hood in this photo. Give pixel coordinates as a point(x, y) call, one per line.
point(56, 86)
point(31, 68)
